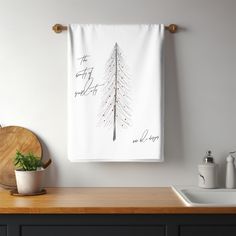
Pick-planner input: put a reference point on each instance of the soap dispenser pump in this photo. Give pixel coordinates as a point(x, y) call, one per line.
point(230, 171)
point(207, 172)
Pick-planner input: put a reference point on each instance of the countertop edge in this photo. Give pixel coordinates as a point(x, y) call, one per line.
point(121, 210)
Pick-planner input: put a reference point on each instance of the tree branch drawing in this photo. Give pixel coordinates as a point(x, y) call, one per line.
point(115, 109)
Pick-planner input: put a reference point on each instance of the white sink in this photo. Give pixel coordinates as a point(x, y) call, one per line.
point(194, 196)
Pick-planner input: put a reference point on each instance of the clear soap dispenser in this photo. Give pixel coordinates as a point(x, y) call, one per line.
point(207, 172)
point(230, 171)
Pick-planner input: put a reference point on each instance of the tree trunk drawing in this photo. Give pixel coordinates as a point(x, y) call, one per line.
point(115, 109)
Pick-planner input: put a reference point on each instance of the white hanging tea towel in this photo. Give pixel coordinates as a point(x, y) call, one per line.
point(115, 92)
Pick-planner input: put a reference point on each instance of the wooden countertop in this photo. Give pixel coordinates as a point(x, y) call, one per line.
point(103, 201)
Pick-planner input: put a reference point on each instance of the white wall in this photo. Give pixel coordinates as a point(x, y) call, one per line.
point(200, 83)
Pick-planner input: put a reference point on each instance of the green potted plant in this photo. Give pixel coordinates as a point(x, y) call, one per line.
point(29, 173)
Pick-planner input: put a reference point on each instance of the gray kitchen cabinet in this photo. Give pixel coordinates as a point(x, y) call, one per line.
point(208, 230)
point(118, 225)
point(3, 230)
point(93, 230)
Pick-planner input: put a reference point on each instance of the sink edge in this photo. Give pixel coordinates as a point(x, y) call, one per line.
point(178, 191)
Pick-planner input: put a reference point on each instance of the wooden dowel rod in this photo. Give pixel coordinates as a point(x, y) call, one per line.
point(58, 28)
point(172, 28)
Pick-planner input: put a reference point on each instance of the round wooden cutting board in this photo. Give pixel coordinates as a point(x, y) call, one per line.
point(13, 138)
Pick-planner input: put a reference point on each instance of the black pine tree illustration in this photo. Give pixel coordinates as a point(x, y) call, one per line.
point(115, 110)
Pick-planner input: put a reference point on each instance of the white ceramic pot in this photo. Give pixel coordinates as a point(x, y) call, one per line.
point(29, 182)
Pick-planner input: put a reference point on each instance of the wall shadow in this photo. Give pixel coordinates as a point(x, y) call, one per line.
point(51, 173)
point(173, 121)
